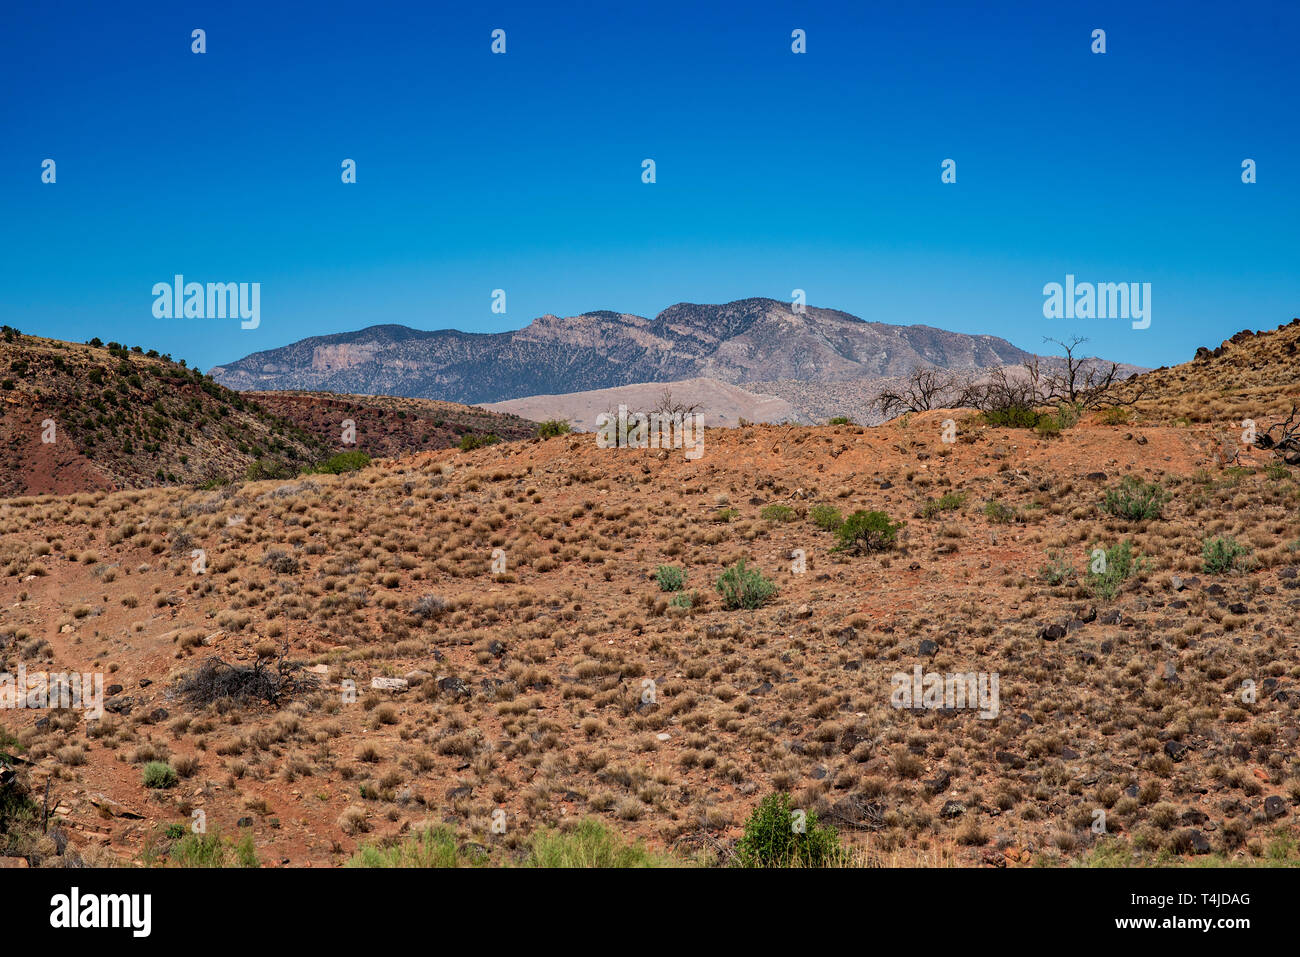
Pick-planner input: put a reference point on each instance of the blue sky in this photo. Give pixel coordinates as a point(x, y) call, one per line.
point(775, 171)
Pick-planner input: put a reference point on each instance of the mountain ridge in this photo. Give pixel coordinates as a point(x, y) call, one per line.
point(755, 339)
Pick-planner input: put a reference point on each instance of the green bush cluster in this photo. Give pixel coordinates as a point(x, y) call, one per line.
point(1117, 564)
point(343, 462)
point(552, 428)
point(867, 532)
point(743, 587)
point(827, 517)
point(670, 577)
point(1220, 555)
point(469, 441)
point(780, 835)
point(159, 774)
point(1135, 500)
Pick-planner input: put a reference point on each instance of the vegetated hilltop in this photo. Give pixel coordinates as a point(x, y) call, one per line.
point(1252, 375)
point(82, 417)
point(558, 631)
point(736, 342)
point(388, 426)
point(79, 417)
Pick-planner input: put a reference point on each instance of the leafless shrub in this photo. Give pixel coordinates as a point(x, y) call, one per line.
point(926, 388)
point(264, 680)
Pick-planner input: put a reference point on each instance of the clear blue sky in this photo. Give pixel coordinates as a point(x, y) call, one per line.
point(775, 171)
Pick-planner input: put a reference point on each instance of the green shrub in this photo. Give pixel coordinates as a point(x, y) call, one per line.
point(777, 835)
point(259, 470)
point(1048, 426)
point(685, 600)
point(670, 577)
point(211, 850)
point(590, 844)
point(1000, 513)
point(426, 847)
point(778, 513)
point(469, 441)
point(725, 515)
point(1012, 417)
point(1219, 555)
point(1068, 415)
point(552, 428)
point(1135, 499)
point(1058, 570)
point(948, 502)
point(839, 420)
point(19, 814)
point(343, 462)
point(743, 587)
point(827, 517)
point(867, 532)
point(246, 852)
point(1117, 564)
point(159, 774)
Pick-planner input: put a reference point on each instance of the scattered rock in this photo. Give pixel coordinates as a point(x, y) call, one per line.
point(1197, 841)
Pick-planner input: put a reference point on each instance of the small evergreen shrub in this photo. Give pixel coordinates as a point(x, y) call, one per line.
point(778, 513)
point(867, 532)
point(552, 428)
point(1219, 555)
point(1108, 572)
point(779, 835)
point(1000, 513)
point(343, 462)
point(827, 517)
point(743, 587)
point(1135, 500)
point(159, 774)
point(670, 577)
point(949, 501)
point(469, 441)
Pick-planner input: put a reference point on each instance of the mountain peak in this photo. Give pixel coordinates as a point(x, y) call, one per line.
point(745, 340)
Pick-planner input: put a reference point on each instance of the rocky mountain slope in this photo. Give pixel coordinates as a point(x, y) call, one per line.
point(736, 342)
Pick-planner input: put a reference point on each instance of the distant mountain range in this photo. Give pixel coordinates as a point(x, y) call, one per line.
point(750, 340)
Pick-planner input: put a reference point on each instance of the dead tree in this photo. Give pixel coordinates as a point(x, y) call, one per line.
point(924, 389)
point(1083, 382)
point(1286, 444)
point(670, 406)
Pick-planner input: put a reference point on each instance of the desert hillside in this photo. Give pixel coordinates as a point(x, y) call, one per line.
point(535, 633)
point(79, 417)
point(103, 416)
point(391, 426)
